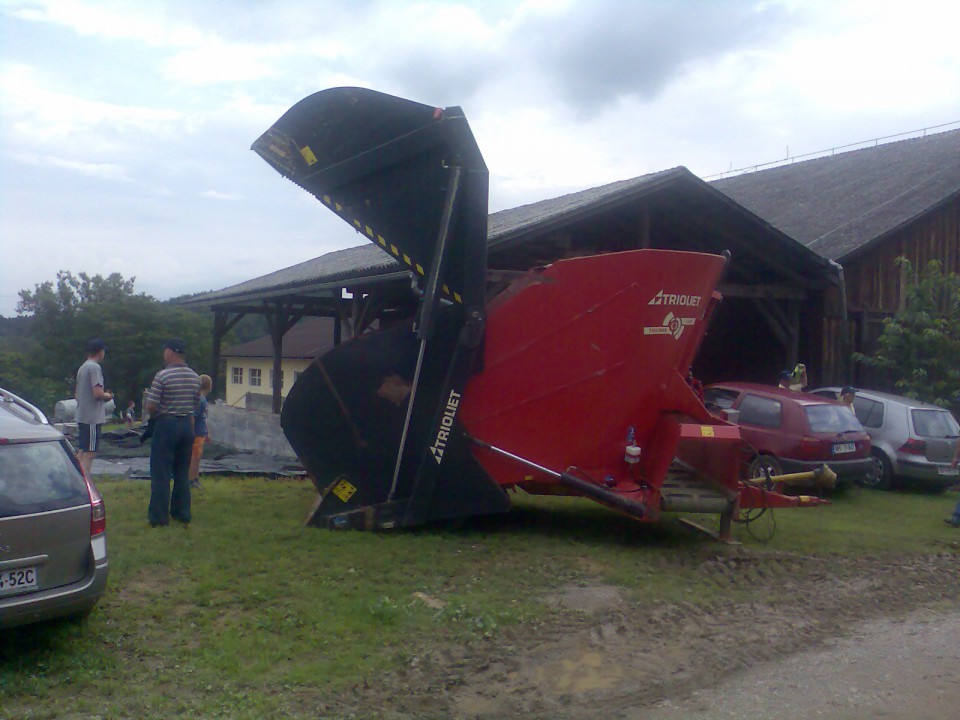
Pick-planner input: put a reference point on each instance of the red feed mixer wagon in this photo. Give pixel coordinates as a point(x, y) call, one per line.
point(571, 380)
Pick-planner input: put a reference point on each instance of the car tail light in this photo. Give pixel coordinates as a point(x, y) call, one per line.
point(913, 446)
point(811, 448)
point(98, 512)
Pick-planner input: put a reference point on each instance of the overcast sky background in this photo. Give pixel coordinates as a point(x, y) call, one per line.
point(125, 126)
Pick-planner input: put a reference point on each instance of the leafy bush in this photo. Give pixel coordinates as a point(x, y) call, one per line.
point(920, 344)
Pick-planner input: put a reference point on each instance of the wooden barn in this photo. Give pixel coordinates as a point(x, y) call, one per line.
point(862, 209)
point(813, 250)
point(756, 332)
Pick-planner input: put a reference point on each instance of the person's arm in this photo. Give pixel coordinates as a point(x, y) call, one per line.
point(151, 398)
point(102, 395)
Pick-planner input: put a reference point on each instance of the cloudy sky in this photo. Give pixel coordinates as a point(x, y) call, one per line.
point(125, 125)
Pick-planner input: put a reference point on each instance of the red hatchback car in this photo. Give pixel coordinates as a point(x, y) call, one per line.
point(790, 431)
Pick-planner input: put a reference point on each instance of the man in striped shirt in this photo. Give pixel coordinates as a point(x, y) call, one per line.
point(170, 402)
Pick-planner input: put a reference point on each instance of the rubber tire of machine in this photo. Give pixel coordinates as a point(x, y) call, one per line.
point(759, 462)
point(883, 478)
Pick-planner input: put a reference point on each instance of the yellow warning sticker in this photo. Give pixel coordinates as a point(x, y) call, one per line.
point(308, 155)
point(706, 431)
point(344, 490)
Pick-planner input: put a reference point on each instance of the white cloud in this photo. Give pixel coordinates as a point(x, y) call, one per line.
point(131, 113)
point(101, 171)
point(219, 62)
point(217, 195)
point(42, 116)
point(145, 22)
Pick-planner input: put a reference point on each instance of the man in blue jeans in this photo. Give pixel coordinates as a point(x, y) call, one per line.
point(171, 401)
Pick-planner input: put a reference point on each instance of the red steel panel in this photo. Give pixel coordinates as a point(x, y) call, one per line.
point(580, 352)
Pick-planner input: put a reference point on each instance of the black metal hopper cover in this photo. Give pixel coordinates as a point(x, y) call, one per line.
point(383, 163)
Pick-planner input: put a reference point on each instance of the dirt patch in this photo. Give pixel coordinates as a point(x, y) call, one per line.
point(897, 669)
point(603, 655)
point(587, 598)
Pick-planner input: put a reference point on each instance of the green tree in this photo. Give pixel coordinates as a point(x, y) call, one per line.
point(60, 327)
point(16, 377)
point(65, 314)
point(920, 345)
point(71, 293)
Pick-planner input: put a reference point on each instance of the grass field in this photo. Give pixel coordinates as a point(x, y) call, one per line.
point(247, 614)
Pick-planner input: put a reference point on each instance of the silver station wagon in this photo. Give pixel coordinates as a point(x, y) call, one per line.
point(913, 442)
point(53, 540)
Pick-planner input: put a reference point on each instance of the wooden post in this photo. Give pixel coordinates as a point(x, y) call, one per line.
point(278, 323)
point(219, 330)
point(280, 318)
point(222, 324)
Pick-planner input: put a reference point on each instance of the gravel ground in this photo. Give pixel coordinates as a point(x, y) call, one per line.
point(906, 669)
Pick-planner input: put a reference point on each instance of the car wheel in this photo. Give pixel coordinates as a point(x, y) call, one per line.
point(756, 470)
point(882, 476)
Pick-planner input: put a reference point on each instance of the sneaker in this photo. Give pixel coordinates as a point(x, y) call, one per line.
point(195, 484)
point(952, 522)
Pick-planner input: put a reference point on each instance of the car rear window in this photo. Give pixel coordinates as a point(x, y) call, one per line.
point(934, 423)
point(831, 419)
point(719, 398)
point(756, 410)
point(38, 477)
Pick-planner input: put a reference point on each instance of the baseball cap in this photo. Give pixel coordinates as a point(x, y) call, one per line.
point(177, 345)
point(95, 345)
point(848, 389)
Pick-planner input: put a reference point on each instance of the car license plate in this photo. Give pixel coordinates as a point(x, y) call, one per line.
point(947, 470)
point(840, 448)
point(17, 581)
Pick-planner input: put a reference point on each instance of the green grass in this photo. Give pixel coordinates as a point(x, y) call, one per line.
point(247, 614)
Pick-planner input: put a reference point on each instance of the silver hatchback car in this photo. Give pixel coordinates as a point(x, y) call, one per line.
point(913, 442)
point(53, 541)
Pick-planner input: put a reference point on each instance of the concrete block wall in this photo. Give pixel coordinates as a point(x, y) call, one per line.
point(248, 430)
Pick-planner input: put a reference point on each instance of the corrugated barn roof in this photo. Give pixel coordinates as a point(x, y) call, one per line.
point(840, 204)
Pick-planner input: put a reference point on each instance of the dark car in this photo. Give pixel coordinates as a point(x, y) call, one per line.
point(913, 442)
point(53, 541)
point(788, 431)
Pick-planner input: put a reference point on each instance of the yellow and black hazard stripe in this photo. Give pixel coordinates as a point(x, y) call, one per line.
point(385, 244)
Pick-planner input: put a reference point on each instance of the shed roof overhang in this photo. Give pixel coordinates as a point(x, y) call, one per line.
point(672, 209)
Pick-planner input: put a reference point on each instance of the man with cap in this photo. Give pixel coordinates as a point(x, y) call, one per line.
point(91, 399)
point(170, 401)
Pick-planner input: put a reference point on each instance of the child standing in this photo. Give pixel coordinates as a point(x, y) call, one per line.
point(129, 415)
point(200, 434)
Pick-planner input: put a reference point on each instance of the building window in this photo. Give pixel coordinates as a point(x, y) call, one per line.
point(281, 378)
point(254, 377)
point(236, 376)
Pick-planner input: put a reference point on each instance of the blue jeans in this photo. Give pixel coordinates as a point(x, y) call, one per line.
point(170, 458)
point(956, 512)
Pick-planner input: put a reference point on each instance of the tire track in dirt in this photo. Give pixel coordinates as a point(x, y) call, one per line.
point(602, 659)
